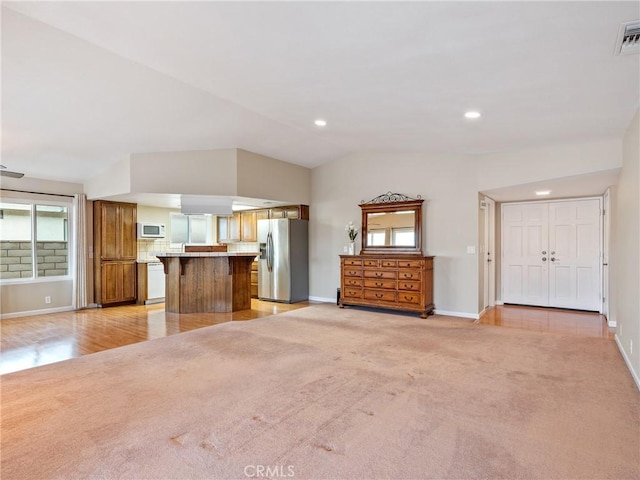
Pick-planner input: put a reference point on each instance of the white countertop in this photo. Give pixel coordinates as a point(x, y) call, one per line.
point(207, 254)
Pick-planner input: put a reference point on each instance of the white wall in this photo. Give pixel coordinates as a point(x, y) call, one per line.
point(115, 180)
point(626, 267)
point(450, 217)
point(557, 161)
point(271, 179)
point(206, 172)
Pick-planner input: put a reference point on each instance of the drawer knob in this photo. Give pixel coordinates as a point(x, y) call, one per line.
point(408, 287)
point(378, 295)
point(378, 284)
point(379, 274)
point(408, 299)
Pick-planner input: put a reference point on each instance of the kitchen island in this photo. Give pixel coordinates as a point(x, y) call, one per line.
point(199, 282)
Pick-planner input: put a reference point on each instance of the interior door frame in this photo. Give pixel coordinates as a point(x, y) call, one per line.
point(606, 243)
point(489, 254)
point(600, 198)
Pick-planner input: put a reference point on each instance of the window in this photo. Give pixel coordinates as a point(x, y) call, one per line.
point(34, 240)
point(403, 237)
point(375, 238)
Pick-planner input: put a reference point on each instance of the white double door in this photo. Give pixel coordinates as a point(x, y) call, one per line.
point(551, 254)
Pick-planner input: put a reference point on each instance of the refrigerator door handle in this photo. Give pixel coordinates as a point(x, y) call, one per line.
point(266, 253)
point(270, 257)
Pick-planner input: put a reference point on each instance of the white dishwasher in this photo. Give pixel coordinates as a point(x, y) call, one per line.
point(155, 282)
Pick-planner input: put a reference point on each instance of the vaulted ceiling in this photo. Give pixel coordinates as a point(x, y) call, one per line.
point(85, 84)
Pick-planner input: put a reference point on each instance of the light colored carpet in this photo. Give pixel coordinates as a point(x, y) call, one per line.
point(327, 393)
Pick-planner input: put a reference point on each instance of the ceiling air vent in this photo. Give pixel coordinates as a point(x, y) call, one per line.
point(628, 38)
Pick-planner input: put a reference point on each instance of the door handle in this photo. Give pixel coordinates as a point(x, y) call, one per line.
point(553, 259)
point(544, 259)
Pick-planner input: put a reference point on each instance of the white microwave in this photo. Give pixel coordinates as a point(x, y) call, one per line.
point(151, 230)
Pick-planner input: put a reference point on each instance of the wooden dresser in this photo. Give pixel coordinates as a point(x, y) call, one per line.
point(399, 282)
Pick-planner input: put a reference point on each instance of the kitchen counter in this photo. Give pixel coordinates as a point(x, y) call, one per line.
point(207, 254)
point(198, 282)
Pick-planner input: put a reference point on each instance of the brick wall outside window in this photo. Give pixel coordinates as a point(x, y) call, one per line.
point(16, 258)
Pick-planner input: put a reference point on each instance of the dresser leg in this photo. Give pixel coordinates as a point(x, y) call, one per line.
point(424, 315)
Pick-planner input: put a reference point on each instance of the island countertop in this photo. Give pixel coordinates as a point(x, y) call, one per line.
point(206, 254)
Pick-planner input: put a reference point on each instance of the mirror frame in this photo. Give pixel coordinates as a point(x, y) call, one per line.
point(392, 202)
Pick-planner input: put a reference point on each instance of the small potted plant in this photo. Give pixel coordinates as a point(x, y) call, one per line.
point(352, 232)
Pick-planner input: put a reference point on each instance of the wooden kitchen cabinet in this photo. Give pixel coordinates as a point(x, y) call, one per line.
point(118, 282)
point(249, 230)
point(115, 228)
point(229, 228)
point(115, 252)
point(239, 227)
point(254, 279)
point(295, 212)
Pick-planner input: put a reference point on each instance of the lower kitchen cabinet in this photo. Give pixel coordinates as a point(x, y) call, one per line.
point(254, 280)
point(117, 282)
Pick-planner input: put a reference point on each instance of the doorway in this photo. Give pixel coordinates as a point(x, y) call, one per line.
point(551, 253)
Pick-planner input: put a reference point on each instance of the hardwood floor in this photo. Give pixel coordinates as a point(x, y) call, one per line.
point(42, 339)
point(541, 319)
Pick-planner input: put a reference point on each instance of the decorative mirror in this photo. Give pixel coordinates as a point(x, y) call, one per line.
point(392, 223)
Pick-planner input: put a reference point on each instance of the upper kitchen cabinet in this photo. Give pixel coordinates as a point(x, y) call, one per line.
point(249, 226)
point(239, 227)
point(229, 228)
point(115, 230)
point(243, 226)
point(296, 212)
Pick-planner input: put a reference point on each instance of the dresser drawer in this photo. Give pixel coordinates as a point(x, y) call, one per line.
point(380, 283)
point(381, 295)
point(409, 297)
point(352, 282)
point(370, 263)
point(352, 261)
point(409, 285)
point(409, 275)
point(389, 263)
point(380, 274)
point(352, 272)
point(352, 293)
point(410, 263)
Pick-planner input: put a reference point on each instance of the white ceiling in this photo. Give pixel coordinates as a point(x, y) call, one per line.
point(84, 84)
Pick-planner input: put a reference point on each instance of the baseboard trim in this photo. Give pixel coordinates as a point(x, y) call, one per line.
point(322, 299)
point(474, 316)
point(499, 302)
point(634, 375)
point(36, 312)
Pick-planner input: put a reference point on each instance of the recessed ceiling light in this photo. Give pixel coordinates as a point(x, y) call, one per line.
point(543, 192)
point(320, 123)
point(472, 114)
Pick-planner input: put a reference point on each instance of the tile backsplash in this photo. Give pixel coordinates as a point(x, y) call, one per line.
point(146, 247)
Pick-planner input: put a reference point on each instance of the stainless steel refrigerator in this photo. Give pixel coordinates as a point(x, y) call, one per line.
point(283, 266)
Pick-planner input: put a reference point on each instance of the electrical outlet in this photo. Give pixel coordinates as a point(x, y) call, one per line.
point(47, 299)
